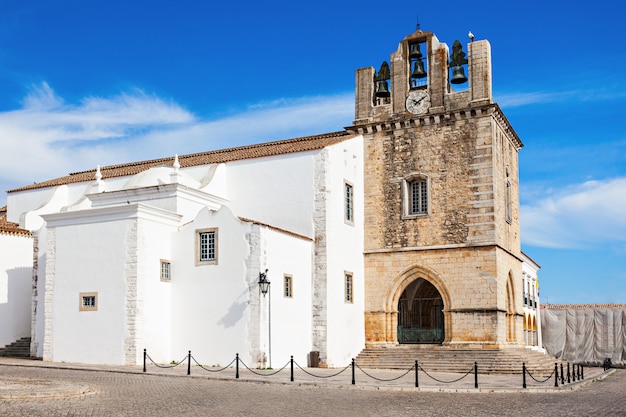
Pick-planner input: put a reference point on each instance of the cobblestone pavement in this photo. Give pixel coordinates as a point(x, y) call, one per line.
point(129, 392)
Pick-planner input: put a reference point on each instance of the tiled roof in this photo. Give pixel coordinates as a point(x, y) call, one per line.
point(9, 228)
point(302, 144)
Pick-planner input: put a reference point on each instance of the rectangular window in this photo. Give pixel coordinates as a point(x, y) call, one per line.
point(88, 301)
point(349, 203)
point(166, 268)
point(418, 197)
point(206, 247)
point(508, 205)
point(348, 287)
point(288, 286)
point(415, 195)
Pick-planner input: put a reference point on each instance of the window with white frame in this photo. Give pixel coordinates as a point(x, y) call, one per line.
point(166, 270)
point(288, 286)
point(349, 203)
point(348, 287)
point(206, 246)
point(415, 195)
point(88, 301)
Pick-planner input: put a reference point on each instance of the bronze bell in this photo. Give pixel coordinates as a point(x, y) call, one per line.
point(458, 75)
point(415, 52)
point(418, 69)
point(382, 89)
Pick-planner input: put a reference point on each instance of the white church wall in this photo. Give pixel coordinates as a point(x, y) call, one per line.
point(346, 336)
point(87, 258)
point(276, 190)
point(154, 246)
point(16, 273)
point(210, 302)
point(290, 315)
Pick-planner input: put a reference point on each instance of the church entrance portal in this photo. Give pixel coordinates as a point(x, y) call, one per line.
point(420, 314)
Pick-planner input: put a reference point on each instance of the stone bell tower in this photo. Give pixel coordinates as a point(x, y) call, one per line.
point(442, 235)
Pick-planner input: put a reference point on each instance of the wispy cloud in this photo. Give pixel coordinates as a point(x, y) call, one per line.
point(48, 137)
point(581, 216)
point(518, 99)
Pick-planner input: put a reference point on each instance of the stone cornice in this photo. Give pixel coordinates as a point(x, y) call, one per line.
point(435, 118)
point(123, 212)
point(442, 247)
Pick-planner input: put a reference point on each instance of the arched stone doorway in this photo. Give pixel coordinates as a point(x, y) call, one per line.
point(420, 314)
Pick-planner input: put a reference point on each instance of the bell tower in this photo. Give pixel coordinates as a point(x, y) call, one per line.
point(442, 245)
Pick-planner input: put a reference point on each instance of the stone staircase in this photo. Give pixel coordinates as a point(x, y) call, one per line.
point(436, 358)
point(17, 349)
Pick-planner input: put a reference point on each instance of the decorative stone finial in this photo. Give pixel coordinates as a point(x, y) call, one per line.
point(176, 163)
point(98, 174)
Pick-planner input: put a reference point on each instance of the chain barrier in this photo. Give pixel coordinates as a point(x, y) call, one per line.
point(262, 374)
point(166, 366)
point(541, 381)
point(321, 376)
point(446, 382)
point(214, 370)
point(576, 372)
point(385, 380)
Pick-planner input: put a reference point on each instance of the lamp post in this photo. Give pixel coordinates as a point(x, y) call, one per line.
point(264, 286)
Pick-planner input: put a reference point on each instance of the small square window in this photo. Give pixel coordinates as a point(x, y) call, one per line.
point(166, 270)
point(348, 287)
point(288, 286)
point(88, 301)
point(206, 247)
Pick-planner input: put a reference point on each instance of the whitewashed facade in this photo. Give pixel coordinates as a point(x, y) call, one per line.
point(532, 307)
point(16, 271)
point(104, 243)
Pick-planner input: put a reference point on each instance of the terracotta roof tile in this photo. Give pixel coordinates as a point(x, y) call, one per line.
point(10, 228)
point(302, 144)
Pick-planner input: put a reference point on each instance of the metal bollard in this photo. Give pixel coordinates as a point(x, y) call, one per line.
point(189, 363)
point(353, 379)
point(291, 368)
point(562, 375)
point(144, 360)
point(417, 384)
point(237, 366)
point(582, 372)
point(475, 374)
point(556, 374)
point(568, 375)
point(523, 375)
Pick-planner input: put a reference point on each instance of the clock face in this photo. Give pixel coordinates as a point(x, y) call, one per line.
point(417, 102)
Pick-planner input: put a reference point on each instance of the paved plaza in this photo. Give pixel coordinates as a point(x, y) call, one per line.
point(35, 388)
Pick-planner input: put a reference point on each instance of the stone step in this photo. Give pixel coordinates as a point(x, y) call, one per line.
point(443, 358)
point(18, 349)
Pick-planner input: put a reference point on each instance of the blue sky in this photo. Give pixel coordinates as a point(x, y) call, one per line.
point(84, 83)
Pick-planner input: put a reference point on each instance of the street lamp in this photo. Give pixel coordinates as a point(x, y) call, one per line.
point(264, 286)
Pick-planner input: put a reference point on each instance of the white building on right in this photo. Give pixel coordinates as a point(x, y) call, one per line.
point(532, 319)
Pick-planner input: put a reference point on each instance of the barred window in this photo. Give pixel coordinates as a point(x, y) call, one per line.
point(415, 196)
point(349, 202)
point(349, 295)
point(288, 286)
point(419, 197)
point(206, 246)
point(88, 301)
point(166, 268)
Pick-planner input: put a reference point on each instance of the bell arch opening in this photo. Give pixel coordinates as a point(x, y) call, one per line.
point(420, 314)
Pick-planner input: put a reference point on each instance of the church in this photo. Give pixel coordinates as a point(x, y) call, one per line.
point(402, 228)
